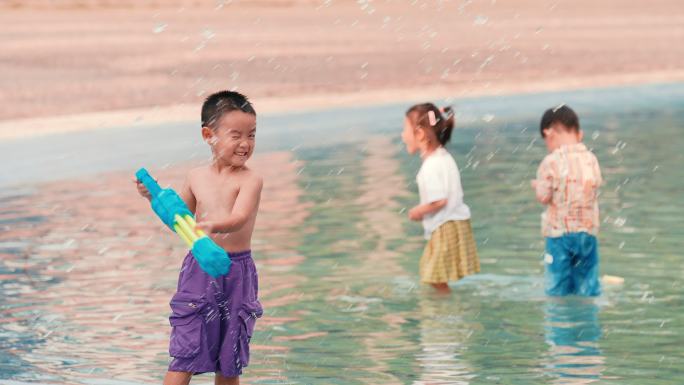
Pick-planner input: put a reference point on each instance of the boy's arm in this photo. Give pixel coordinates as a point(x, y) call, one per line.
point(187, 196)
point(246, 203)
point(418, 212)
point(597, 171)
point(543, 185)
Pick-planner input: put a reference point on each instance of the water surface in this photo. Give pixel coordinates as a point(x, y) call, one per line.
point(87, 272)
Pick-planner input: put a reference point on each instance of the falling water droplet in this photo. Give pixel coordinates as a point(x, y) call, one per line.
point(480, 20)
point(159, 28)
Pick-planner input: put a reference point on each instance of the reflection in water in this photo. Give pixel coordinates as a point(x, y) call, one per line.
point(573, 331)
point(443, 337)
point(275, 242)
point(381, 224)
point(87, 271)
point(100, 304)
point(88, 274)
point(22, 329)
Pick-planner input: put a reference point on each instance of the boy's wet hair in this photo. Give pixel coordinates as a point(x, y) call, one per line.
point(428, 116)
point(560, 114)
point(223, 102)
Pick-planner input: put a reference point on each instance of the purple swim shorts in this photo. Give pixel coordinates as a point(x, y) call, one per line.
point(213, 319)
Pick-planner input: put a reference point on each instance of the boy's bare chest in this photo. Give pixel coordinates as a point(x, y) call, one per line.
point(216, 196)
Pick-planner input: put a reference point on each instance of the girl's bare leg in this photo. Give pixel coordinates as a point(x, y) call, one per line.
point(220, 380)
point(442, 288)
point(177, 378)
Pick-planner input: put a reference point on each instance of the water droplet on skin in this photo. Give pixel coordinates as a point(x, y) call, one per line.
point(480, 20)
point(221, 3)
point(208, 34)
point(159, 28)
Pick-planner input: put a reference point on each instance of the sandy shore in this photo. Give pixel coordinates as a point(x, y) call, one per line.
point(81, 67)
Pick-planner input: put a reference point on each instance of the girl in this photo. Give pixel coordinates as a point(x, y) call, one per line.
point(450, 253)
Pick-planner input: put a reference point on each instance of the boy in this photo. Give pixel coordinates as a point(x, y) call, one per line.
point(213, 319)
point(567, 183)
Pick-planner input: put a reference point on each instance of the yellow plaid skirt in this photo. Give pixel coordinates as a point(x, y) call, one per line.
point(450, 254)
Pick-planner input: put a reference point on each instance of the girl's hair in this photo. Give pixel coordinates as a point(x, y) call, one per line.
point(428, 116)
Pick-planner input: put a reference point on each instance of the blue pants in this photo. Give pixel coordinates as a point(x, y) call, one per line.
point(572, 263)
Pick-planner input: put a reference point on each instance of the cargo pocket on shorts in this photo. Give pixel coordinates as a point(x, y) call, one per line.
point(187, 323)
point(248, 315)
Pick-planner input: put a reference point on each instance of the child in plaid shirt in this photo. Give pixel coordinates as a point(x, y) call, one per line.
point(567, 183)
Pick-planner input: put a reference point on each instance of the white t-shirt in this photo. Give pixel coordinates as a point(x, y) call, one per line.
point(439, 179)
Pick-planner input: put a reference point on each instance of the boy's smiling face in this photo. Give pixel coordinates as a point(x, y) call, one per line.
point(232, 139)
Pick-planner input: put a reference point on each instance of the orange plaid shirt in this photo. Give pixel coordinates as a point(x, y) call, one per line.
point(570, 176)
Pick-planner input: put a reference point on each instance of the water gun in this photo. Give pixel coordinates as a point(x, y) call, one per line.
point(171, 209)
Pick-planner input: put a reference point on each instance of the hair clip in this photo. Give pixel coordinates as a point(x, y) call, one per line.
point(558, 107)
point(431, 118)
point(448, 114)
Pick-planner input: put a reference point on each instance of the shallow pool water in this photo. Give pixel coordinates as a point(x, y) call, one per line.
point(87, 272)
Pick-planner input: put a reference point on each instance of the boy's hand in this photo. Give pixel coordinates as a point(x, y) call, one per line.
point(142, 190)
point(207, 226)
point(414, 214)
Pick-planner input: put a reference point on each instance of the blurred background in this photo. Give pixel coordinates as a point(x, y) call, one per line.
point(92, 90)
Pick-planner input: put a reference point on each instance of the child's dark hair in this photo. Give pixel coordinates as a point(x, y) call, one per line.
point(223, 102)
point(561, 114)
point(427, 115)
